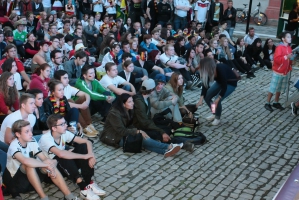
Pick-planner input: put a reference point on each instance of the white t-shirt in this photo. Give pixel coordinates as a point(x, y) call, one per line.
point(17, 78)
point(70, 91)
point(249, 40)
point(97, 7)
point(202, 9)
point(98, 24)
point(110, 10)
point(178, 12)
point(107, 80)
point(154, 41)
point(47, 3)
point(15, 146)
point(47, 141)
point(165, 59)
point(11, 118)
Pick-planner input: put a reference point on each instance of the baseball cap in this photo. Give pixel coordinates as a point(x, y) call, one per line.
point(160, 78)
point(148, 84)
point(79, 47)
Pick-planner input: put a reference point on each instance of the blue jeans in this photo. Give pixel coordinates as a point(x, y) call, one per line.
point(4, 146)
point(152, 145)
point(3, 158)
point(167, 70)
point(37, 137)
point(179, 22)
point(230, 32)
point(127, 88)
point(214, 91)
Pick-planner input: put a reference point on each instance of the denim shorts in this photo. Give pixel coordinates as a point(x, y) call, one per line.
point(278, 83)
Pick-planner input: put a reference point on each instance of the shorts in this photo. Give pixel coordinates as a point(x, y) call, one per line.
point(278, 83)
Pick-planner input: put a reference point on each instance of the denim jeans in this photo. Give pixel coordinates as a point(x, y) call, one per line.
point(167, 70)
point(127, 88)
point(3, 158)
point(152, 145)
point(231, 32)
point(214, 91)
point(179, 22)
point(4, 146)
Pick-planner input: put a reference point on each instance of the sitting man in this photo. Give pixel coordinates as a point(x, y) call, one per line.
point(111, 81)
point(110, 56)
point(81, 157)
point(24, 172)
point(100, 98)
point(81, 102)
point(170, 60)
point(161, 99)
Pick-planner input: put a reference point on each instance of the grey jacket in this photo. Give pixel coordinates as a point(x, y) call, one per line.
point(159, 99)
point(73, 71)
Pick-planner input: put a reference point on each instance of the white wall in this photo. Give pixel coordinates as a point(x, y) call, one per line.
point(264, 4)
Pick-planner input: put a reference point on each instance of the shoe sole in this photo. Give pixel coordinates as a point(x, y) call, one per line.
point(210, 119)
point(173, 152)
point(292, 105)
point(268, 109)
point(90, 136)
point(215, 124)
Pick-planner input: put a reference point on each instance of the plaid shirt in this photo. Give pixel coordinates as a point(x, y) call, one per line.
point(54, 68)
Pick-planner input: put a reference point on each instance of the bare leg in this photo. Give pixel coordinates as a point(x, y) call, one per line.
point(277, 94)
point(34, 180)
point(269, 97)
point(60, 183)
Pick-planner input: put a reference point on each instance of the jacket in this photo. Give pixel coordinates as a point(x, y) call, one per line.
point(97, 91)
point(281, 64)
point(38, 83)
point(150, 48)
point(36, 11)
point(4, 108)
point(27, 7)
point(142, 115)
point(49, 109)
point(159, 99)
point(73, 71)
point(40, 124)
point(116, 127)
point(266, 52)
point(212, 12)
point(180, 98)
point(233, 18)
point(132, 78)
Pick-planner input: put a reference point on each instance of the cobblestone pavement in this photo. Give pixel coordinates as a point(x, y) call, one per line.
point(249, 156)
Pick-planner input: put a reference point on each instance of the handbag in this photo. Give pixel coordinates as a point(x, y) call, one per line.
point(190, 122)
point(186, 134)
point(132, 143)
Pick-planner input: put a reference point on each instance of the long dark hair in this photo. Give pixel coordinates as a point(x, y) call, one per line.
point(7, 65)
point(255, 48)
point(119, 105)
point(152, 56)
point(174, 83)
point(10, 94)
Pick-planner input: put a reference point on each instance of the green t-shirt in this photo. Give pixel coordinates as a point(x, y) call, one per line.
point(19, 35)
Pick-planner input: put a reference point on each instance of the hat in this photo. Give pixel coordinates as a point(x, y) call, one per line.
point(104, 26)
point(160, 78)
point(112, 24)
point(79, 47)
point(148, 84)
point(20, 22)
point(53, 12)
point(43, 42)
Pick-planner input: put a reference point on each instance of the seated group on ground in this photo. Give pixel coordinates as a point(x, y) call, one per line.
point(53, 81)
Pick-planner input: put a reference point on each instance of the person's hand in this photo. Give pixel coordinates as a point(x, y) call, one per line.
point(289, 56)
point(144, 78)
point(144, 15)
point(187, 68)
point(144, 135)
point(216, 102)
point(230, 16)
point(91, 162)
point(109, 99)
point(71, 129)
point(84, 105)
point(174, 99)
point(166, 137)
point(199, 103)
point(87, 156)
point(190, 115)
point(95, 35)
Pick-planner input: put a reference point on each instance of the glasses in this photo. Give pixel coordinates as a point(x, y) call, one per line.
point(56, 41)
point(62, 124)
point(59, 58)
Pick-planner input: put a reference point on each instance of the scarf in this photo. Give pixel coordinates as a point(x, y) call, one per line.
point(58, 109)
point(114, 58)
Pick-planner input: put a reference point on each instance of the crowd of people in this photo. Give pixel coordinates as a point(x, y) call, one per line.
point(62, 62)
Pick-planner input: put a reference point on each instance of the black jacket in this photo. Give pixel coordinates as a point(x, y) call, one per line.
point(233, 18)
point(37, 11)
point(212, 11)
point(266, 52)
point(40, 124)
point(49, 109)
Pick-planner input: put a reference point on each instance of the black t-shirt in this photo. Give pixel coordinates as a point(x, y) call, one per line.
point(164, 12)
point(148, 65)
point(153, 6)
point(292, 25)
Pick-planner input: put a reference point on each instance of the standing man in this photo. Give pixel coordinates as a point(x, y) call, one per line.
point(180, 14)
point(215, 14)
point(230, 17)
point(202, 11)
point(293, 20)
point(164, 13)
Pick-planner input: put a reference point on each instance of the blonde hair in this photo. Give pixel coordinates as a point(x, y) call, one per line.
point(207, 69)
point(226, 49)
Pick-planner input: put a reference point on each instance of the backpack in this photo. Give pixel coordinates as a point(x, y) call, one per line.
point(185, 134)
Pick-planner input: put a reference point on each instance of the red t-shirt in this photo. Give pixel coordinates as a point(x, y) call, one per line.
point(19, 63)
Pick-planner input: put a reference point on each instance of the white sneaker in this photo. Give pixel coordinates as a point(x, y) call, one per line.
point(88, 194)
point(210, 118)
point(180, 144)
point(175, 148)
point(216, 122)
point(96, 189)
point(265, 68)
point(254, 66)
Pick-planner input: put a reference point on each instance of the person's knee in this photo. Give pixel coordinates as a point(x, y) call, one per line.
point(127, 87)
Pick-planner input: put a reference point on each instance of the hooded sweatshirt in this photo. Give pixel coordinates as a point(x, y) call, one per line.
point(282, 65)
point(38, 83)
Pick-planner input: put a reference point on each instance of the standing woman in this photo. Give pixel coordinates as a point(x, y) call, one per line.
point(119, 123)
point(40, 79)
point(268, 51)
point(175, 86)
point(9, 97)
point(225, 82)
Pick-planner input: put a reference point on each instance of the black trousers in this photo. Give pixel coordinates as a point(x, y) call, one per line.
point(186, 74)
point(69, 168)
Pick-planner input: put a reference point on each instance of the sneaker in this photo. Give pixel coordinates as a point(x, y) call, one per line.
point(93, 128)
point(210, 118)
point(180, 144)
point(79, 134)
point(294, 109)
point(175, 148)
point(268, 107)
point(89, 194)
point(254, 66)
point(216, 122)
point(188, 146)
point(76, 198)
point(265, 68)
point(89, 133)
point(278, 106)
point(96, 189)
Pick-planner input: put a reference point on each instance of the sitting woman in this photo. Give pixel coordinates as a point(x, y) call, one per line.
point(40, 79)
point(57, 103)
point(119, 124)
point(127, 74)
point(175, 85)
point(10, 65)
point(9, 97)
point(147, 43)
point(253, 54)
point(215, 48)
point(179, 47)
point(189, 56)
point(268, 51)
point(40, 126)
point(31, 47)
point(154, 60)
